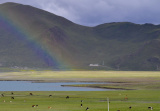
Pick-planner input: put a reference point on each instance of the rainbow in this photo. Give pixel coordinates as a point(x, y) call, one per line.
point(12, 24)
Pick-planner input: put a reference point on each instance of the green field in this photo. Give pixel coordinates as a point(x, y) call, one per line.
point(143, 90)
point(139, 100)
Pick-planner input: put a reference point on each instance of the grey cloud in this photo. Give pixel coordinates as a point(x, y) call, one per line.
point(94, 12)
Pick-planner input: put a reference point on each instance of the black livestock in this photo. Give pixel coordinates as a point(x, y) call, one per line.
point(50, 95)
point(12, 97)
point(67, 97)
point(150, 107)
point(87, 108)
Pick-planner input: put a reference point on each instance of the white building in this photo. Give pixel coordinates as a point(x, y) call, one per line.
point(93, 65)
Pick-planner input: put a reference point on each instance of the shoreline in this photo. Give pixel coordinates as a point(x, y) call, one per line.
point(97, 87)
point(74, 85)
point(57, 80)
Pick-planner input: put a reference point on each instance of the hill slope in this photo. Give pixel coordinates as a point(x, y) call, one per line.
point(30, 37)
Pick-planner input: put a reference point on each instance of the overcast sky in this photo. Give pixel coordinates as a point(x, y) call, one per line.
point(95, 12)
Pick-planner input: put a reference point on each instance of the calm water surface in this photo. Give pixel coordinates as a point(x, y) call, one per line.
point(29, 86)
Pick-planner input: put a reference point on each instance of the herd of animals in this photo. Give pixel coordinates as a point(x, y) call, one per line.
point(67, 97)
point(33, 106)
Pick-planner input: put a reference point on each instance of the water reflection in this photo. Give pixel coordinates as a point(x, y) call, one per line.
point(29, 86)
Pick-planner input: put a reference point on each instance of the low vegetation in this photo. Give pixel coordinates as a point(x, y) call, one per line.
point(139, 100)
point(143, 91)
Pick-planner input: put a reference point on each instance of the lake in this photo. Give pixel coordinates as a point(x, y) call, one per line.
point(32, 86)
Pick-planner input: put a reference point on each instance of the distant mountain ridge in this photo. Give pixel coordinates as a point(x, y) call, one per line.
point(33, 38)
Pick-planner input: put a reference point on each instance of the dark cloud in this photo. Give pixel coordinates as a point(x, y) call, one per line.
point(94, 12)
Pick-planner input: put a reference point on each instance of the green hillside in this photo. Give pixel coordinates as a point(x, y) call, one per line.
point(33, 38)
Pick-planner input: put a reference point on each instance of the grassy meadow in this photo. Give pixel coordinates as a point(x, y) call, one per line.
point(142, 91)
point(139, 100)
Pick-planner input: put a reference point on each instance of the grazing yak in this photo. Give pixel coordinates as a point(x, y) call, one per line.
point(33, 106)
point(50, 95)
point(150, 107)
point(49, 107)
point(67, 97)
point(12, 97)
point(87, 108)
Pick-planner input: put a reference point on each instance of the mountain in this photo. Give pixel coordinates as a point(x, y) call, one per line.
point(34, 38)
